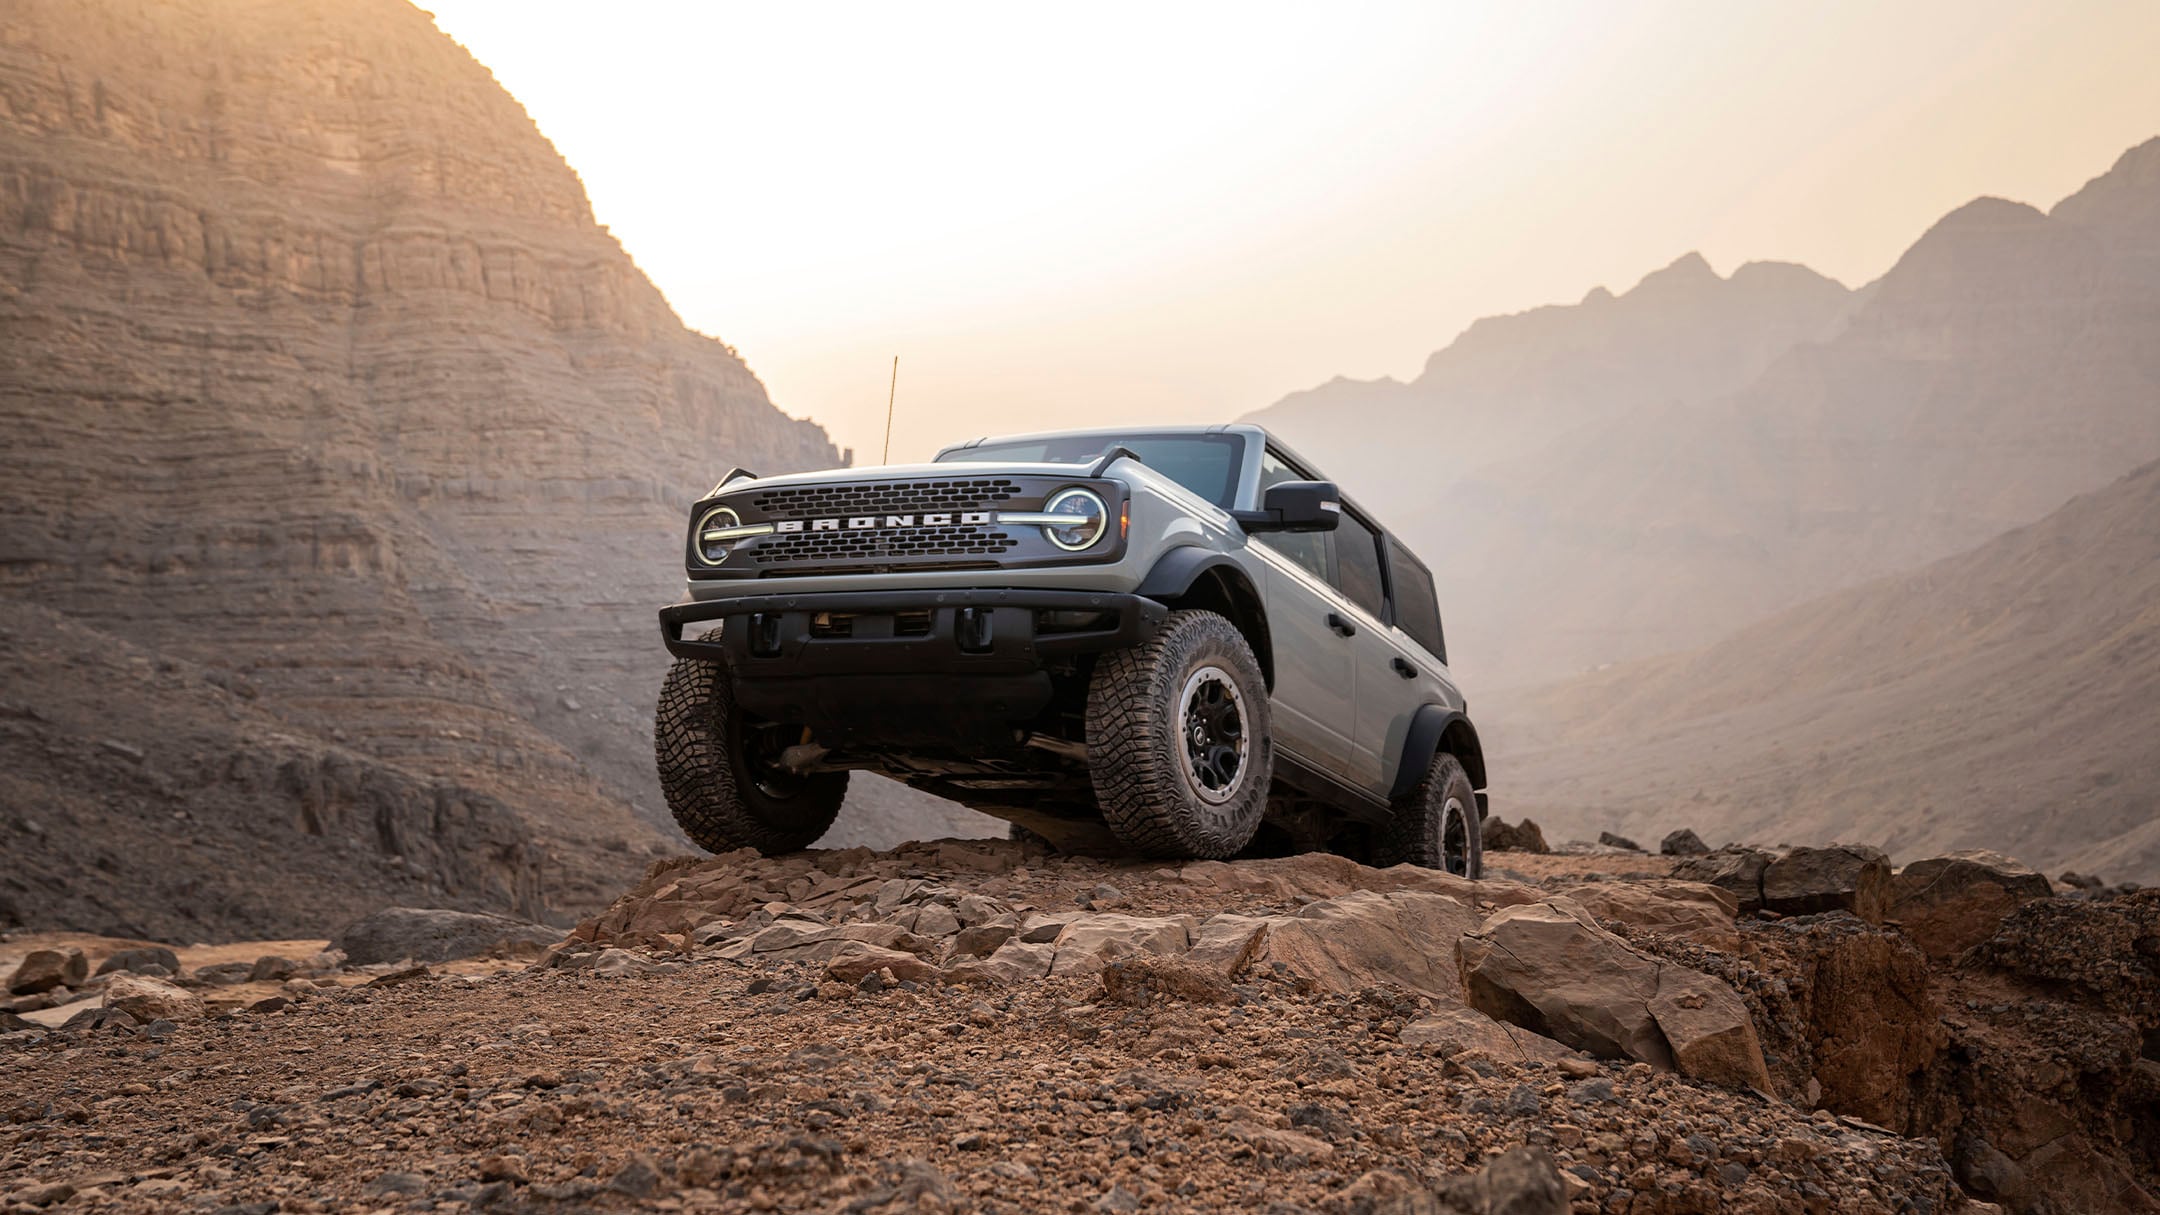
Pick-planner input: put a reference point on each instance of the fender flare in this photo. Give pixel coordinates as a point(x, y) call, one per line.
point(1432, 724)
point(1178, 571)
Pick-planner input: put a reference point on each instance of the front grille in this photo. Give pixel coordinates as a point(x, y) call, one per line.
point(866, 547)
point(885, 497)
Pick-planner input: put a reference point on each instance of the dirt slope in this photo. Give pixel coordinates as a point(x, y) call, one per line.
point(2002, 698)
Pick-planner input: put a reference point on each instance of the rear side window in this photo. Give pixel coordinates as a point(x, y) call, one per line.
point(1417, 609)
point(1357, 565)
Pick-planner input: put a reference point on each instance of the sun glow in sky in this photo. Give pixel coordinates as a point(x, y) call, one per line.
point(1132, 213)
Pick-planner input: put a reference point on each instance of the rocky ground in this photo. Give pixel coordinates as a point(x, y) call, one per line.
point(981, 1026)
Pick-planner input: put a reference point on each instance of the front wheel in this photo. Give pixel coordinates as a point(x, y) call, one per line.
point(720, 769)
point(1177, 738)
point(1435, 825)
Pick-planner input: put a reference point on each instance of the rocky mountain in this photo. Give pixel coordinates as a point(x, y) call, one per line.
point(2002, 698)
point(2003, 365)
point(319, 378)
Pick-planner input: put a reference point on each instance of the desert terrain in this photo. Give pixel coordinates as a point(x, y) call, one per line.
point(977, 1025)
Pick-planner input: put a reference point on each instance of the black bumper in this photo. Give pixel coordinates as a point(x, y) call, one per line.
point(915, 665)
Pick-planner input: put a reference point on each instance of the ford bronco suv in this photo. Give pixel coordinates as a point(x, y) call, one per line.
point(1180, 635)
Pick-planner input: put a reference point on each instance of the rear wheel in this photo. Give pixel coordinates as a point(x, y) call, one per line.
point(721, 772)
point(1178, 744)
point(1435, 825)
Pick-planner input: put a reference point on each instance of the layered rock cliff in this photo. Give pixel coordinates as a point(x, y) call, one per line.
point(317, 372)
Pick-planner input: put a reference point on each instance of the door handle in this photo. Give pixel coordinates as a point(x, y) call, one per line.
point(1340, 625)
point(1404, 669)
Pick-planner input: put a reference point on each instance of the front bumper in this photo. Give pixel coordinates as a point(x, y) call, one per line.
point(923, 665)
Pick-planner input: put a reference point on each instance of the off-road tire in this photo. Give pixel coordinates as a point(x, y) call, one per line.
point(1134, 745)
point(709, 785)
point(1415, 835)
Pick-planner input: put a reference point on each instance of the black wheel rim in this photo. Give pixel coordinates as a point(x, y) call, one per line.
point(1212, 741)
point(1454, 838)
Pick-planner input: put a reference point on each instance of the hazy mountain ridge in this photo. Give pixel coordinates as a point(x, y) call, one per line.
point(1510, 384)
point(2003, 365)
point(2000, 698)
point(318, 373)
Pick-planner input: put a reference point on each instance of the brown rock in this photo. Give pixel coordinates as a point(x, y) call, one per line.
point(147, 999)
point(1454, 1028)
point(982, 940)
point(1550, 969)
point(1872, 1019)
point(1737, 871)
point(1841, 877)
point(42, 970)
point(856, 960)
point(1708, 1027)
point(1683, 842)
point(1089, 942)
point(1695, 911)
point(1013, 962)
point(1227, 943)
point(1402, 938)
point(1948, 904)
point(1521, 837)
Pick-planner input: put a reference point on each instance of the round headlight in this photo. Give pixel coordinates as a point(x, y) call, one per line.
point(1090, 518)
point(713, 552)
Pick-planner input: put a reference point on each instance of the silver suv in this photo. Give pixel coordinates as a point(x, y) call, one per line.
point(1181, 638)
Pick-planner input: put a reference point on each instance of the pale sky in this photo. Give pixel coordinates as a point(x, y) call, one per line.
point(1111, 213)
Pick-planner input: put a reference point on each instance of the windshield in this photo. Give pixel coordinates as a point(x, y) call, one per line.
point(1206, 464)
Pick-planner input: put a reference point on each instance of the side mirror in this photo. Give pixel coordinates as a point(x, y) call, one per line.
point(1296, 506)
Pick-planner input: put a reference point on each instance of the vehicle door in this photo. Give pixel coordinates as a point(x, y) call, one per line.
point(1385, 676)
point(1313, 707)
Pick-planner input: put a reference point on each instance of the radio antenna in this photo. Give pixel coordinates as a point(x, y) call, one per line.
point(890, 392)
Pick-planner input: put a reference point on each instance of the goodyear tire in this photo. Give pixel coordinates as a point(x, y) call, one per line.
point(1178, 743)
point(718, 772)
point(1436, 823)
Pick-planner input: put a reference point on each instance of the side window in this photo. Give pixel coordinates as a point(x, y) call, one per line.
point(1417, 609)
point(1308, 549)
point(1357, 565)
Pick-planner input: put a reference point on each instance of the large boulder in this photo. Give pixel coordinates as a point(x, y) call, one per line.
point(41, 970)
point(434, 934)
point(1549, 968)
point(1403, 938)
point(1948, 904)
point(1683, 842)
point(1841, 877)
point(1694, 911)
point(147, 999)
point(1737, 871)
